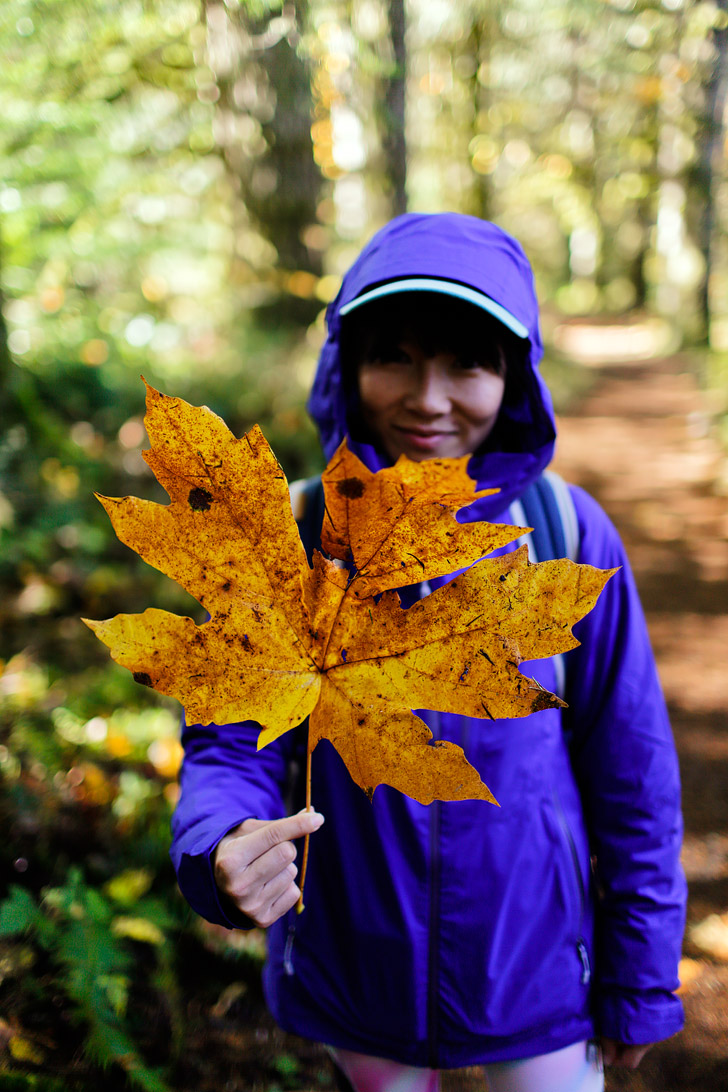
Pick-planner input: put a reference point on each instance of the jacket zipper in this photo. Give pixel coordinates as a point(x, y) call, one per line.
point(581, 948)
point(433, 955)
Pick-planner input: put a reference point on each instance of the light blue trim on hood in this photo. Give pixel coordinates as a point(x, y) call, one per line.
point(445, 288)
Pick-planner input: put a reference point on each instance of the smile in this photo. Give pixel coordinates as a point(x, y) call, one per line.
point(422, 439)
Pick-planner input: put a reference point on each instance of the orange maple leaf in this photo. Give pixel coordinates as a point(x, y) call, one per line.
point(285, 640)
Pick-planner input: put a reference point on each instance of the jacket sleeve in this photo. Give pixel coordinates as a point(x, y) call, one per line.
point(626, 767)
point(223, 781)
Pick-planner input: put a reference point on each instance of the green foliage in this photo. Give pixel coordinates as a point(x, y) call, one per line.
point(18, 913)
point(85, 780)
point(74, 925)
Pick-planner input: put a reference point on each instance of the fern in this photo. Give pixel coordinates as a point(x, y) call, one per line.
point(73, 925)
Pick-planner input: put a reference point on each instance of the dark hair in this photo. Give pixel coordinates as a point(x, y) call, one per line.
point(438, 322)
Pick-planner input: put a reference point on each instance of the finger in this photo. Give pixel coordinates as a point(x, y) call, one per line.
point(272, 891)
point(240, 875)
point(249, 825)
point(267, 866)
point(248, 881)
point(271, 834)
point(253, 824)
point(285, 902)
point(267, 910)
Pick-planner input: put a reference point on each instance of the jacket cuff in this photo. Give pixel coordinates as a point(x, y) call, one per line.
point(638, 1016)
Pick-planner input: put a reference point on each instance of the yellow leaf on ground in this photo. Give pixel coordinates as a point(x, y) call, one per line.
point(137, 929)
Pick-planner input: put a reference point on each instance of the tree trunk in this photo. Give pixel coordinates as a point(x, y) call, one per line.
point(394, 139)
point(263, 78)
point(289, 207)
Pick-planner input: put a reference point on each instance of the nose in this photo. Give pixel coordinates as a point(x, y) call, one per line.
point(429, 393)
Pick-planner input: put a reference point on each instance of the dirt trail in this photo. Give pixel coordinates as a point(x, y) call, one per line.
point(640, 443)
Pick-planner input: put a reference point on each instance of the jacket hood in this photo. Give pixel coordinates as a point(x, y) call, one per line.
point(483, 257)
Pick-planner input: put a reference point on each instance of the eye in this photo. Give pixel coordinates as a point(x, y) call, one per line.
point(474, 365)
point(390, 353)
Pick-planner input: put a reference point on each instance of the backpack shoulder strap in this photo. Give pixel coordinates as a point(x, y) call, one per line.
point(547, 506)
point(307, 502)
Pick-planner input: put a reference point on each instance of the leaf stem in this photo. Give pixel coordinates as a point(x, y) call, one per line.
point(304, 862)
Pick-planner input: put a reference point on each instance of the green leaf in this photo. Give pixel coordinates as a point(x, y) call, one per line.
point(18, 912)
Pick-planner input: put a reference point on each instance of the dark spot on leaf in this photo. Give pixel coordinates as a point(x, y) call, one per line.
point(350, 487)
point(142, 677)
point(360, 721)
point(502, 577)
point(226, 586)
point(246, 643)
point(199, 499)
point(343, 654)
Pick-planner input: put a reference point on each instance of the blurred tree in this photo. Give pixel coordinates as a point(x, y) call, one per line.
point(263, 127)
point(708, 168)
point(394, 114)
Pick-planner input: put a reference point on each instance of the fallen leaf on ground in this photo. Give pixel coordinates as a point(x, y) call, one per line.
point(285, 641)
point(689, 971)
point(711, 936)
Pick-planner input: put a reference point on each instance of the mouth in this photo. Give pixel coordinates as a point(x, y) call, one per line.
point(423, 439)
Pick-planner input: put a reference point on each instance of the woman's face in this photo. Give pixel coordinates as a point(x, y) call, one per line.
point(428, 404)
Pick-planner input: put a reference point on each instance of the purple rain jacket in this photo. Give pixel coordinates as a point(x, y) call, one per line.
point(462, 933)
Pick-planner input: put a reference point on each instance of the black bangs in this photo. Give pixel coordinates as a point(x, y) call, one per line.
point(438, 323)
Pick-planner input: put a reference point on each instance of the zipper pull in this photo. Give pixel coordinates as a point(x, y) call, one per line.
point(288, 951)
point(585, 964)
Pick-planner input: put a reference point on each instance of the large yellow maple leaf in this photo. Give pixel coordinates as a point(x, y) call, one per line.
point(285, 640)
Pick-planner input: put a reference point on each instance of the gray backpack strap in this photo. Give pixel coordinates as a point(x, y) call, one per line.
point(567, 511)
point(547, 506)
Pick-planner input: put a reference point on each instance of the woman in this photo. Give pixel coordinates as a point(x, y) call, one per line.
point(460, 934)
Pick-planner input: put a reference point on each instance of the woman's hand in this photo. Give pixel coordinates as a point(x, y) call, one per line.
point(623, 1055)
point(253, 865)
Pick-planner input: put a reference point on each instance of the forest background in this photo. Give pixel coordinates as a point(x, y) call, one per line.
point(181, 186)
